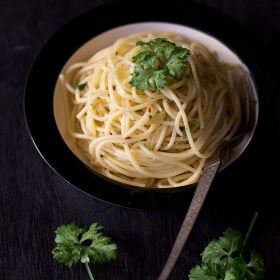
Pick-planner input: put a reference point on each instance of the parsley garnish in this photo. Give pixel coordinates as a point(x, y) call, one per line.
point(148, 147)
point(184, 136)
point(158, 63)
point(224, 259)
point(192, 124)
point(74, 244)
point(81, 87)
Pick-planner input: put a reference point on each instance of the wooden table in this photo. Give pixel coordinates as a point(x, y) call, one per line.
point(34, 201)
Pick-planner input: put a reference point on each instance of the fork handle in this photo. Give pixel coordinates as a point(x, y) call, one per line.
point(198, 199)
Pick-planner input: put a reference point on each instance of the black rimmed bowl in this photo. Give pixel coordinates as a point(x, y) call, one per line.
point(78, 40)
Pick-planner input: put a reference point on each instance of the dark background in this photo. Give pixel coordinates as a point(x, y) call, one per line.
point(34, 201)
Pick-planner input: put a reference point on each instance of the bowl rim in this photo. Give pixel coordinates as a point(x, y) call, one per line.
point(128, 197)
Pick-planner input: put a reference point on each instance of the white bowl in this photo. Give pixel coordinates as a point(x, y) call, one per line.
point(61, 109)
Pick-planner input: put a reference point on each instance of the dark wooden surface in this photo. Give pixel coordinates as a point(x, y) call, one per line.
point(34, 200)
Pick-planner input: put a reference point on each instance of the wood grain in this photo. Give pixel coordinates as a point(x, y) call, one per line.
point(34, 201)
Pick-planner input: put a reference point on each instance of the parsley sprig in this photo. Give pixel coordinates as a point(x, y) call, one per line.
point(81, 87)
point(158, 63)
point(224, 259)
point(74, 244)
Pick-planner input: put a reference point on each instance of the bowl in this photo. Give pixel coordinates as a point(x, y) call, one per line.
point(47, 120)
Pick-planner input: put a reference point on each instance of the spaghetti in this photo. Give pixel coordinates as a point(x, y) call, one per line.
point(159, 138)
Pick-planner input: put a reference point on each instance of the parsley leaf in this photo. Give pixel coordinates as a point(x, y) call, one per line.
point(67, 248)
point(192, 124)
point(222, 250)
point(81, 87)
point(223, 259)
point(143, 79)
point(255, 268)
point(204, 272)
point(148, 147)
point(184, 136)
point(74, 244)
point(177, 62)
point(158, 62)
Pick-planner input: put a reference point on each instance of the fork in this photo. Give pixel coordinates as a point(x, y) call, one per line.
point(208, 174)
point(198, 199)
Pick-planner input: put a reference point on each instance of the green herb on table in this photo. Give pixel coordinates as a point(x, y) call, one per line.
point(81, 87)
point(74, 244)
point(225, 259)
point(158, 63)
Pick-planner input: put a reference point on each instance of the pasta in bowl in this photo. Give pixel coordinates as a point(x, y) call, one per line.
point(149, 109)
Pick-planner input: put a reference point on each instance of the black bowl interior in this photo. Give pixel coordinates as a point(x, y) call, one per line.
point(42, 78)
